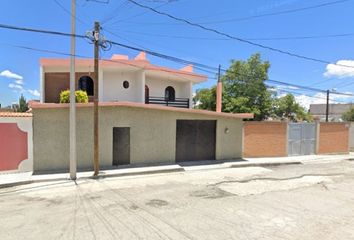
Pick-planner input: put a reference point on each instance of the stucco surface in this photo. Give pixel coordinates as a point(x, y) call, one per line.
point(152, 136)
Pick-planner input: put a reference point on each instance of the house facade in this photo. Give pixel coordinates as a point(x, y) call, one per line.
point(121, 79)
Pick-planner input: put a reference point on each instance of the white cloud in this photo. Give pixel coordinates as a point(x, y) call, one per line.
point(15, 86)
point(333, 70)
point(19, 81)
point(9, 74)
point(34, 92)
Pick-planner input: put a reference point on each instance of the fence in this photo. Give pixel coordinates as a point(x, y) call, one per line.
point(279, 139)
point(16, 146)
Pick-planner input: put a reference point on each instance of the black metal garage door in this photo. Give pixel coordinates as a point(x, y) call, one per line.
point(195, 140)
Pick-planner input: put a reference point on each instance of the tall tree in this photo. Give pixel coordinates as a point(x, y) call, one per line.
point(287, 107)
point(245, 89)
point(22, 104)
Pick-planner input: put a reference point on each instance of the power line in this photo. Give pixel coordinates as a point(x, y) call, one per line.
point(40, 31)
point(276, 13)
point(228, 39)
point(171, 58)
point(236, 38)
point(260, 15)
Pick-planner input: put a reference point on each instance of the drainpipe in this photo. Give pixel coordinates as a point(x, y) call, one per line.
point(219, 93)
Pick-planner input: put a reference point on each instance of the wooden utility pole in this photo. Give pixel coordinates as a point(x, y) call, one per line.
point(96, 162)
point(72, 156)
point(327, 106)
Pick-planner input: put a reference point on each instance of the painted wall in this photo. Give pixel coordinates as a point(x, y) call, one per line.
point(157, 87)
point(152, 136)
point(265, 139)
point(333, 138)
point(16, 145)
point(113, 90)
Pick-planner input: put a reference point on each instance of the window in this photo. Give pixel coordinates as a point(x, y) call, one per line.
point(86, 84)
point(170, 94)
point(147, 94)
point(125, 84)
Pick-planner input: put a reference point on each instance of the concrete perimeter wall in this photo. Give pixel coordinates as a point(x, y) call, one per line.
point(333, 138)
point(152, 135)
point(265, 139)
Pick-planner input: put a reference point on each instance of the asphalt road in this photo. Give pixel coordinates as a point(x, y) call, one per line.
point(312, 201)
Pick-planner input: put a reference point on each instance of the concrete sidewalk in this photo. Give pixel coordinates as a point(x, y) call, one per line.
point(13, 178)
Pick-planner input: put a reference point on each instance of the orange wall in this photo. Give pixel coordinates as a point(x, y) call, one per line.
point(333, 138)
point(265, 139)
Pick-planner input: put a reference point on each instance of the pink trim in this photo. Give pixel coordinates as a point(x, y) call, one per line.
point(15, 114)
point(143, 106)
point(141, 56)
point(142, 64)
point(219, 97)
point(188, 68)
point(13, 146)
point(119, 57)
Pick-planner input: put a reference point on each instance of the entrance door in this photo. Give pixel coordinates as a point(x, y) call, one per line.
point(195, 140)
point(121, 146)
point(302, 139)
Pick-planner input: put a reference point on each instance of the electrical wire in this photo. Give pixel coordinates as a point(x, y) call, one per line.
point(234, 37)
point(171, 58)
point(252, 39)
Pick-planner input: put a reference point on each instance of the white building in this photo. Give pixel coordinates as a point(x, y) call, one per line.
point(121, 80)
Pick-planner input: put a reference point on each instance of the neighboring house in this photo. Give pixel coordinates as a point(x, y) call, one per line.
point(335, 111)
point(121, 80)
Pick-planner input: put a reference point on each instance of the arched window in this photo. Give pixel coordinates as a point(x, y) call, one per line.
point(86, 84)
point(170, 94)
point(147, 94)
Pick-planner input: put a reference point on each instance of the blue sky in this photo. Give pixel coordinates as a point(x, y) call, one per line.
point(19, 68)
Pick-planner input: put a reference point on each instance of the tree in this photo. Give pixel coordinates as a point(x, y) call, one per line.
point(287, 107)
point(205, 98)
point(244, 89)
point(22, 104)
point(348, 115)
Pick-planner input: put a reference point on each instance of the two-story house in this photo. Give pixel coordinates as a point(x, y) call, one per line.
point(121, 80)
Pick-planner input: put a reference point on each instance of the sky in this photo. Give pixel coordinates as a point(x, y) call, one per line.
point(19, 68)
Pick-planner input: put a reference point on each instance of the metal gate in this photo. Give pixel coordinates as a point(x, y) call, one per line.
point(302, 139)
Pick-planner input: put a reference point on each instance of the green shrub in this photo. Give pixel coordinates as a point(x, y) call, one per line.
point(80, 96)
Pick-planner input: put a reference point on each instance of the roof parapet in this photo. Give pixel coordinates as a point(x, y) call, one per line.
point(188, 68)
point(141, 56)
point(119, 57)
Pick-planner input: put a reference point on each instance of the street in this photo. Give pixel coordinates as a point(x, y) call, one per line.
point(306, 201)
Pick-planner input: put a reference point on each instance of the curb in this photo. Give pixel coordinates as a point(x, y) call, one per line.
point(265, 164)
point(105, 175)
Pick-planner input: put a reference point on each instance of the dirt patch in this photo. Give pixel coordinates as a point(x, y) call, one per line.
point(211, 193)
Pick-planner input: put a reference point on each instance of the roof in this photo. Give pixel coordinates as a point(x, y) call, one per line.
point(139, 62)
point(145, 106)
point(15, 114)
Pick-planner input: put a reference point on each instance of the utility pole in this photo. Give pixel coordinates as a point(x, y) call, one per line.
point(219, 92)
point(73, 162)
point(96, 39)
point(327, 106)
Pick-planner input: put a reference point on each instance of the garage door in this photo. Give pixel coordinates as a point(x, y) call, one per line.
point(195, 140)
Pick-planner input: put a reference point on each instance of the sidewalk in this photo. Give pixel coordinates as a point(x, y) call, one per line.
point(12, 178)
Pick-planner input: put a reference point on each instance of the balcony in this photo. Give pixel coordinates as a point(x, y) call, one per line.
point(177, 102)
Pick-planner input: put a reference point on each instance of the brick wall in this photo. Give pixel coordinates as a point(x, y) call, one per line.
point(265, 139)
point(333, 138)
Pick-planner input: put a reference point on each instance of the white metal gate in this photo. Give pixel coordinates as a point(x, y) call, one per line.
point(301, 139)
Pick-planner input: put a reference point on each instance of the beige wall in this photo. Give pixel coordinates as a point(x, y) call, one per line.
point(152, 136)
